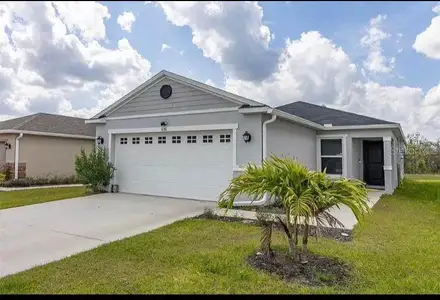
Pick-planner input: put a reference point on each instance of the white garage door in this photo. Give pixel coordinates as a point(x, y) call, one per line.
point(194, 165)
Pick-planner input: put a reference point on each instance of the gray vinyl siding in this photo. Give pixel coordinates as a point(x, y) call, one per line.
point(183, 98)
point(289, 139)
point(246, 153)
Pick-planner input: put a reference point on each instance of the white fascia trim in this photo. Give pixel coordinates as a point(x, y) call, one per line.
point(73, 136)
point(175, 128)
point(250, 110)
point(181, 79)
point(210, 89)
point(132, 93)
point(297, 119)
point(179, 113)
point(95, 121)
point(374, 126)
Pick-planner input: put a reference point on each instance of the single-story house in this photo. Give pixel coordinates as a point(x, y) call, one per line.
point(41, 144)
point(176, 137)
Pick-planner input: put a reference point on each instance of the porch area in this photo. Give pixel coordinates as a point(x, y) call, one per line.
point(373, 158)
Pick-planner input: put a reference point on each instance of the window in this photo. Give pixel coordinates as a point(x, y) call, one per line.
point(207, 139)
point(148, 140)
point(135, 140)
point(225, 138)
point(175, 140)
point(331, 156)
point(191, 139)
point(123, 141)
point(162, 140)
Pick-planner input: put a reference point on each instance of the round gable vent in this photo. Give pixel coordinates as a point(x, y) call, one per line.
point(166, 91)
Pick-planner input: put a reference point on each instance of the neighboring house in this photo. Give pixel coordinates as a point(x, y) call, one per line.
point(176, 137)
point(41, 144)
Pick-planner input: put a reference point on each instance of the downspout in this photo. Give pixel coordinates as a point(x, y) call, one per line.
point(17, 155)
point(265, 198)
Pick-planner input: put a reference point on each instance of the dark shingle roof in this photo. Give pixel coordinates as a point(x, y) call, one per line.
point(43, 122)
point(324, 115)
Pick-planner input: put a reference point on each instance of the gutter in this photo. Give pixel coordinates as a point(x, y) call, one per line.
point(17, 155)
point(265, 200)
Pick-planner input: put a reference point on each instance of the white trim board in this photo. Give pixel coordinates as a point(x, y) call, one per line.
point(179, 113)
point(175, 128)
point(73, 136)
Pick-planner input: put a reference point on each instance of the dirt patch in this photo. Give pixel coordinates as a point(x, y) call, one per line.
point(318, 271)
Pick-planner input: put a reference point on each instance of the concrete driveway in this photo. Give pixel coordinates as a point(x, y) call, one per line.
point(38, 234)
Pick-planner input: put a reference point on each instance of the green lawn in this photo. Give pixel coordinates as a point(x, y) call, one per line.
point(395, 250)
point(34, 196)
point(422, 177)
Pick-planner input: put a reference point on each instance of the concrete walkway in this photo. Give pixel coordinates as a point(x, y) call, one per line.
point(38, 234)
point(343, 214)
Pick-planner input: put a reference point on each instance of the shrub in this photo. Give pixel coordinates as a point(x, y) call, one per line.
point(29, 181)
point(21, 182)
point(2, 177)
point(7, 173)
point(94, 169)
point(305, 196)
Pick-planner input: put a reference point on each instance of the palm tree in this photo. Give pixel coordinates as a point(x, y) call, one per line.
point(305, 195)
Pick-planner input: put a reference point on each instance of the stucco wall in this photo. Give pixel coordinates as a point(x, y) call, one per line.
point(10, 153)
point(49, 156)
point(286, 138)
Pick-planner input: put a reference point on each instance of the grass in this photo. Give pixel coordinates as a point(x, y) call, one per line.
point(35, 196)
point(423, 177)
point(394, 250)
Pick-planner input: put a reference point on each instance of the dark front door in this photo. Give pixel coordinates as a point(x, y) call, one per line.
point(373, 163)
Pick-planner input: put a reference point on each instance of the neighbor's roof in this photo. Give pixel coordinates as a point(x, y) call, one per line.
point(49, 123)
point(324, 115)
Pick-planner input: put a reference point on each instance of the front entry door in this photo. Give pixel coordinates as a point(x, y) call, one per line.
point(373, 163)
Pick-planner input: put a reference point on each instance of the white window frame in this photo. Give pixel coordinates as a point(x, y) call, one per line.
point(343, 139)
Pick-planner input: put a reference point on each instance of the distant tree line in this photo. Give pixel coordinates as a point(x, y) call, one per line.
point(421, 156)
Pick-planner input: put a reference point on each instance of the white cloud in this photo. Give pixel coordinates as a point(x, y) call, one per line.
point(313, 69)
point(52, 59)
point(376, 62)
point(230, 33)
point(210, 82)
point(436, 9)
point(428, 41)
point(86, 18)
point(126, 20)
point(164, 47)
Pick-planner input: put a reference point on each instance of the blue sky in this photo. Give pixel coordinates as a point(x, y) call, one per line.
point(343, 22)
point(375, 58)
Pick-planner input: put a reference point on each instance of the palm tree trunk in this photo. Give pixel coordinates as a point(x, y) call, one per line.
point(288, 233)
point(305, 243)
point(266, 240)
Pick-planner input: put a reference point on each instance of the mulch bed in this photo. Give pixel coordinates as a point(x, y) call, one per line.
point(318, 271)
point(339, 234)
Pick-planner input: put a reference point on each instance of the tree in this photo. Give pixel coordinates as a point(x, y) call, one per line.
point(94, 169)
point(305, 196)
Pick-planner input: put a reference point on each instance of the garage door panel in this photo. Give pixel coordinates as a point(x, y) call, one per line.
point(185, 170)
